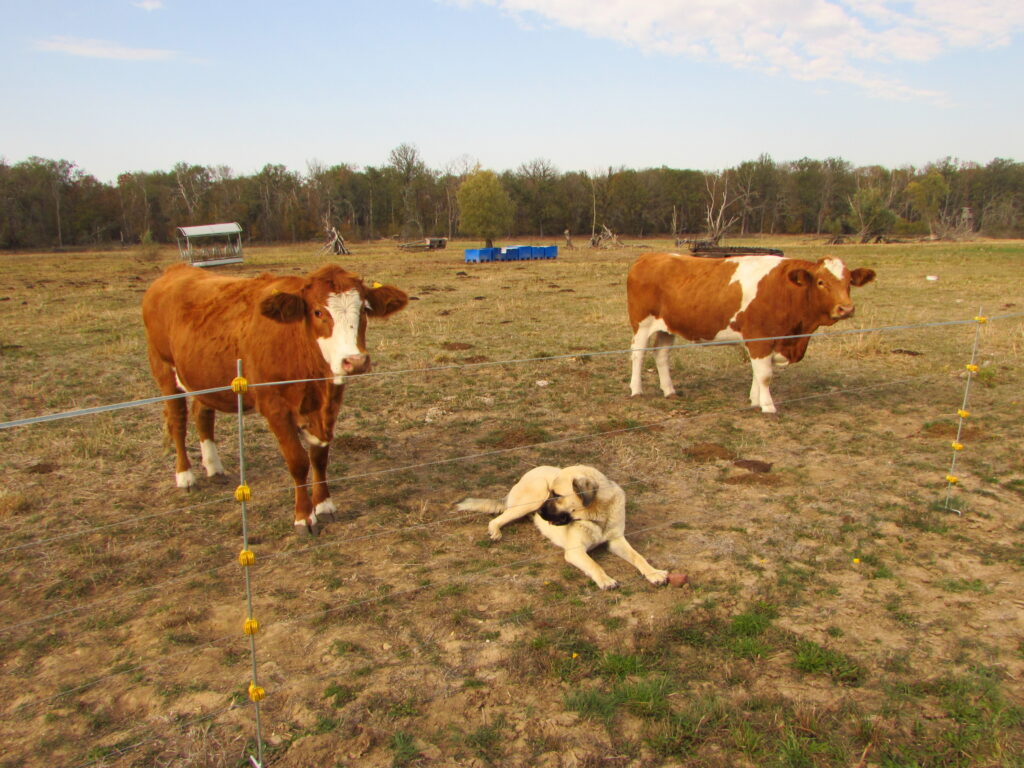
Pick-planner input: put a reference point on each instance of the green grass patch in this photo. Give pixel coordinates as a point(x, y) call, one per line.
point(811, 658)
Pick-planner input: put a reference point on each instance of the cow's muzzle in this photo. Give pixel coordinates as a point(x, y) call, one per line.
point(842, 311)
point(354, 364)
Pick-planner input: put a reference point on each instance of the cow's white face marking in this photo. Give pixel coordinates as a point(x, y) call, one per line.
point(750, 271)
point(346, 310)
point(836, 267)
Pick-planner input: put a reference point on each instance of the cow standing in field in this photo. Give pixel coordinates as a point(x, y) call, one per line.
point(283, 329)
point(748, 298)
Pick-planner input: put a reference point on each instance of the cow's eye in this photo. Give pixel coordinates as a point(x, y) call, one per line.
point(821, 283)
point(317, 313)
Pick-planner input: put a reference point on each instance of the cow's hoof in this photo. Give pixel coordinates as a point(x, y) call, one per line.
point(185, 479)
point(326, 512)
point(307, 528)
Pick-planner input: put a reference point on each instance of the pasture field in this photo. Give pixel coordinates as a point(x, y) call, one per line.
point(837, 614)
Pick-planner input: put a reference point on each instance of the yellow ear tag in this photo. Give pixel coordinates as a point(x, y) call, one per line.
point(377, 285)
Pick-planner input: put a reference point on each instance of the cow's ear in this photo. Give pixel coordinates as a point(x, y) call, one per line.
point(384, 300)
point(800, 277)
point(283, 307)
point(861, 276)
point(586, 488)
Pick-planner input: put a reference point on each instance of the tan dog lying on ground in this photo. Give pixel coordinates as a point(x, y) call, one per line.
point(577, 508)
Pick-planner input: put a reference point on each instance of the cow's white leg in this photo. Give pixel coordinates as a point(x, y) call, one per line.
point(211, 458)
point(636, 385)
point(650, 328)
point(185, 479)
point(662, 341)
point(760, 394)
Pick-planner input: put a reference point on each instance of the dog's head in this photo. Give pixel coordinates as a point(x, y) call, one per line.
point(563, 502)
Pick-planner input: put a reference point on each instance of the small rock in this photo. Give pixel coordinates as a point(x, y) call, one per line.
point(678, 579)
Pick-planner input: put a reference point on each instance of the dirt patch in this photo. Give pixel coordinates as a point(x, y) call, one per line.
point(354, 443)
point(753, 465)
point(707, 452)
point(947, 430)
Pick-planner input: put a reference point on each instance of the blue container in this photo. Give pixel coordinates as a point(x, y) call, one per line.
point(528, 252)
point(472, 255)
point(551, 252)
point(510, 254)
point(487, 254)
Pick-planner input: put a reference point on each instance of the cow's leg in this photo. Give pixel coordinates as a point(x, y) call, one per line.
point(175, 418)
point(760, 394)
point(323, 505)
point(204, 418)
point(662, 342)
point(297, 459)
point(641, 338)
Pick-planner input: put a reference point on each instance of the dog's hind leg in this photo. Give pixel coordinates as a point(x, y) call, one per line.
point(622, 548)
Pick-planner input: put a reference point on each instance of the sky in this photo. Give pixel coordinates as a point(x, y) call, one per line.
point(130, 85)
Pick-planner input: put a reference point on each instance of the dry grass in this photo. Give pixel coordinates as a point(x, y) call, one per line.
point(837, 614)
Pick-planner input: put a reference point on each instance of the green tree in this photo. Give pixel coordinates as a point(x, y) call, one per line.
point(486, 208)
point(928, 197)
point(870, 215)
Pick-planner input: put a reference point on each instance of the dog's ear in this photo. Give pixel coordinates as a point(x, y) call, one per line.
point(586, 488)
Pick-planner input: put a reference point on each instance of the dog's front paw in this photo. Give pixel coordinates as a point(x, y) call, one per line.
point(609, 584)
point(494, 532)
point(657, 577)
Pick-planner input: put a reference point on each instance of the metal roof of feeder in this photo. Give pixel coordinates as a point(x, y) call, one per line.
point(203, 230)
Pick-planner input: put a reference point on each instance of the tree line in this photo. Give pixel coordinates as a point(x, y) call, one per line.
point(48, 203)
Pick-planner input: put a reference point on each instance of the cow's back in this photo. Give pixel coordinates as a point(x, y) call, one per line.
point(693, 296)
point(198, 322)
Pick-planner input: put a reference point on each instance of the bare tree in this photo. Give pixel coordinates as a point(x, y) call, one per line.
point(720, 205)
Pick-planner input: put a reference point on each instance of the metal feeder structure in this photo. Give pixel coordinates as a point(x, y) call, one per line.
point(210, 245)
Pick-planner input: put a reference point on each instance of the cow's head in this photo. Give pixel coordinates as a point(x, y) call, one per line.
point(335, 303)
point(827, 284)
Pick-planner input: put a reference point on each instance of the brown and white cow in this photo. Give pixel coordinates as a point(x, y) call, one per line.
point(283, 328)
point(748, 298)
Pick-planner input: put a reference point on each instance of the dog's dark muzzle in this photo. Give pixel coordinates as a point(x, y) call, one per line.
point(552, 515)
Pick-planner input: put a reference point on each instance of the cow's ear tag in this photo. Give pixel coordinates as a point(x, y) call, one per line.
point(377, 285)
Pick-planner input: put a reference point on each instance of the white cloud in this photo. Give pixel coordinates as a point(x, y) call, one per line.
point(100, 49)
point(149, 5)
point(848, 41)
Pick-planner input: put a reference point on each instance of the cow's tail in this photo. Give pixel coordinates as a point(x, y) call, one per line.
point(487, 506)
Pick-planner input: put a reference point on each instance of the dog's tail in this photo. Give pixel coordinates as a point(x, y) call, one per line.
point(488, 506)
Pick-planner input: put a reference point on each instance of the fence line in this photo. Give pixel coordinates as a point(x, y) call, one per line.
point(516, 361)
point(394, 470)
point(341, 542)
